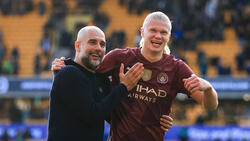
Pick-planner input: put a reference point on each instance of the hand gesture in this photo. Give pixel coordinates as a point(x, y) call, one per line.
point(166, 122)
point(57, 64)
point(195, 83)
point(132, 76)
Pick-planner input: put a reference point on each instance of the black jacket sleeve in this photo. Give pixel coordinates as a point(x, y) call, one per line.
point(72, 89)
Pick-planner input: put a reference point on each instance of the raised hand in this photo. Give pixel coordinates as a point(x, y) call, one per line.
point(166, 122)
point(195, 83)
point(132, 76)
point(57, 64)
point(202, 91)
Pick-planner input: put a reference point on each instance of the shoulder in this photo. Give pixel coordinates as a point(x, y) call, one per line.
point(177, 64)
point(69, 72)
point(170, 59)
point(176, 61)
point(116, 56)
point(182, 68)
point(180, 64)
point(69, 69)
point(122, 52)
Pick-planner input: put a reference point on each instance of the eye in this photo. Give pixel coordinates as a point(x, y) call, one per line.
point(164, 32)
point(153, 30)
point(103, 44)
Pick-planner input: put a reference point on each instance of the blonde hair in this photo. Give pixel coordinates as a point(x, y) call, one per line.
point(157, 16)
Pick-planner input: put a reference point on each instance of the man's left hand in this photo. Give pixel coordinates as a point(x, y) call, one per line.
point(195, 83)
point(166, 123)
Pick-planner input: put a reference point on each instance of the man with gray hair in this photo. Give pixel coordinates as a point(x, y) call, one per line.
point(138, 115)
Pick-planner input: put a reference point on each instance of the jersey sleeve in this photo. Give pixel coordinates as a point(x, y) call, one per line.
point(183, 71)
point(111, 61)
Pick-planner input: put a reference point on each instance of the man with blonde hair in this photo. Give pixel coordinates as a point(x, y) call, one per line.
point(137, 117)
point(157, 16)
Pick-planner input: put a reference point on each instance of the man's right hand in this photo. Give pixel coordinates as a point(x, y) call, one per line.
point(132, 76)
point(57, 64)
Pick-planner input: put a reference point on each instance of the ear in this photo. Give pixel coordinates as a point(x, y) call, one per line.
point(142, 32)
point(77, 46)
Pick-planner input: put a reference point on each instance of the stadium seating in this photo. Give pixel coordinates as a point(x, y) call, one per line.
point(25, 32)
point(121, 19)
point(226, 50)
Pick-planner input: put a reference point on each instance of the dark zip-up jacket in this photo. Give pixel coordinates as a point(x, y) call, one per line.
point(79, 102)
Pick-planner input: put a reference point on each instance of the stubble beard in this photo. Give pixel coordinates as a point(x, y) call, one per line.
point(91, 64)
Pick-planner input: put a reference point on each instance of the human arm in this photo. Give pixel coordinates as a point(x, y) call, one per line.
point(76, 96)
point(202, 91)
point(110, 62)
point(197, 88)
point(76, 93)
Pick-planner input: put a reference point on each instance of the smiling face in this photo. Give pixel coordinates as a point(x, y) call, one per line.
point(91, 48)
point(156, 34)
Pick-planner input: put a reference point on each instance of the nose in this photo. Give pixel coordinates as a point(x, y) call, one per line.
point(158, 35)
point(98, 48)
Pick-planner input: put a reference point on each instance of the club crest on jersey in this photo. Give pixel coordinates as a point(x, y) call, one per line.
point(162, 78)
point(147, 75)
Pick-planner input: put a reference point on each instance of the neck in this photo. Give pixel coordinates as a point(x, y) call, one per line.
point(151, 56)
point(80, 63)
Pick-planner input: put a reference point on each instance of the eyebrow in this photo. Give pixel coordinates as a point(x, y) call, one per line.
point(165, 31)
point(95, 40)
point(92, 40)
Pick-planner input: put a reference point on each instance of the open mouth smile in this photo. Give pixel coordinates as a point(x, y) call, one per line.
point(156, 43)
